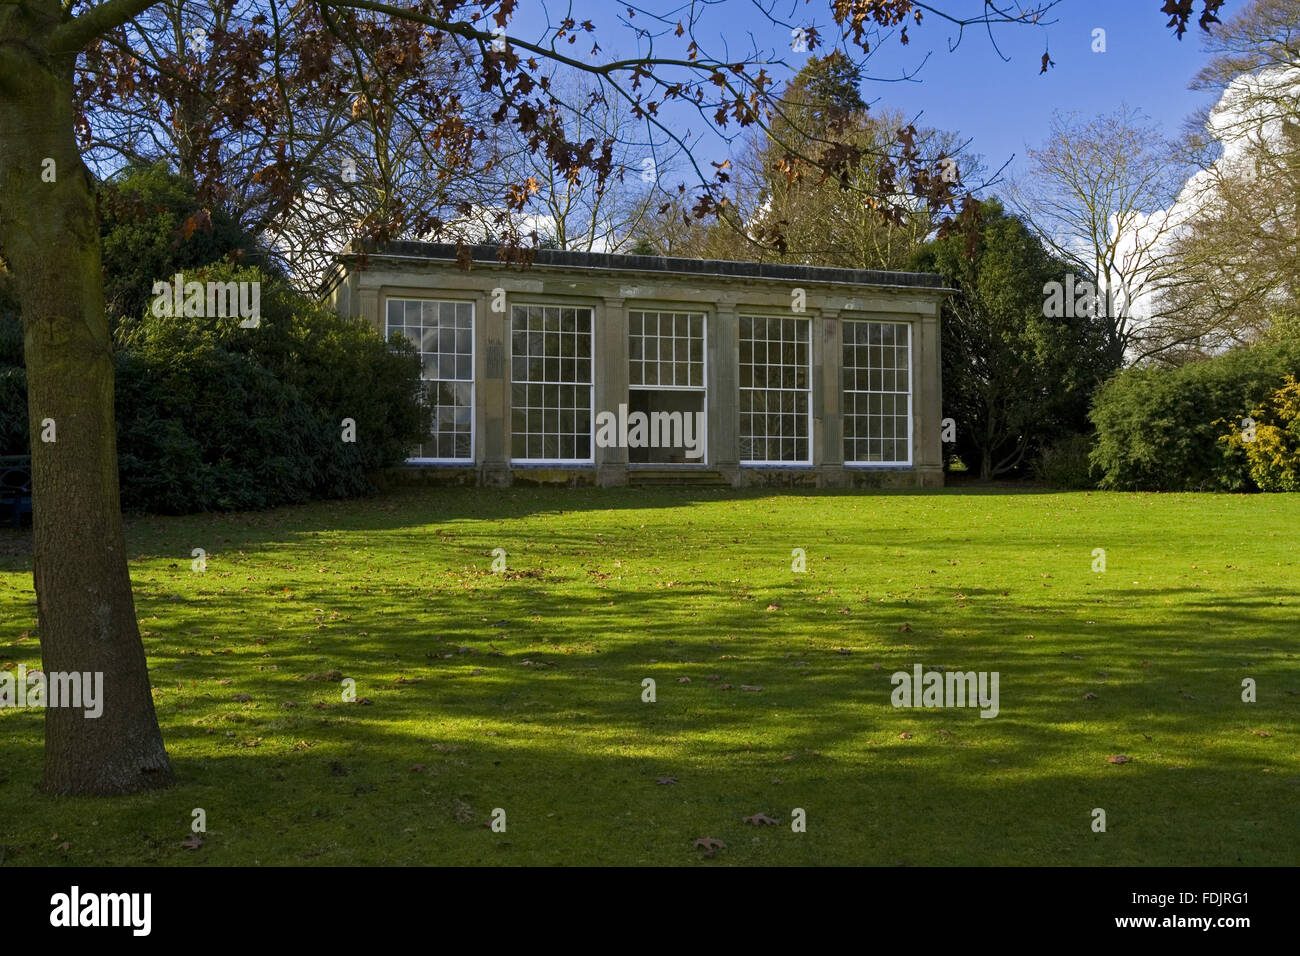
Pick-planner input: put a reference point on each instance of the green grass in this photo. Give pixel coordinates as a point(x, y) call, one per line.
point(606, 588)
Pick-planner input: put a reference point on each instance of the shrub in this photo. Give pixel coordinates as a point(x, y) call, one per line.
point(1156, 428)
point(1065, 463)
point(339, 366)
point(1273, 451)
point(205, 429)
point(213, 416)
point(152, 226)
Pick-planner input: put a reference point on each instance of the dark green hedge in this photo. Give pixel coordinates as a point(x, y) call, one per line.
point(212, 416)
point(1156, 428)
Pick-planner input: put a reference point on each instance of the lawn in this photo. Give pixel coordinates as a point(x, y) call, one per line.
point(522, 690)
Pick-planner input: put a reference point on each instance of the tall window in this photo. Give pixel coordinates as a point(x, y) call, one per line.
point(666, 380)
point(877, 393)
point(775, 385)
point(665, 349)
point(443, 333)
point(550, 384)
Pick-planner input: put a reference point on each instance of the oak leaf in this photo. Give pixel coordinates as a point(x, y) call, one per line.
point(709, 845)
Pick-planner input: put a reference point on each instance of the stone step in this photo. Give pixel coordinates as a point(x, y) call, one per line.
point(642, 478)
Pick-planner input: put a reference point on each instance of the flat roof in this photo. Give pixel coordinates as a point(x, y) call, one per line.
point(714, 268)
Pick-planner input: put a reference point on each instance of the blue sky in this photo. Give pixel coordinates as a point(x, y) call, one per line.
point(1001, 104)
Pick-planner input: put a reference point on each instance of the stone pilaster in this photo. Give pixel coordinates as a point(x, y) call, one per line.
point(828, 394)
point(723, 360)
point(927, 403)
point(492, 392)
point(610, 368)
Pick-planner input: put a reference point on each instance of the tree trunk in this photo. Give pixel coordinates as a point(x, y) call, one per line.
point(85, 610)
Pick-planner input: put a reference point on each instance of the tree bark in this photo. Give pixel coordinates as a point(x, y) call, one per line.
point(85, 610)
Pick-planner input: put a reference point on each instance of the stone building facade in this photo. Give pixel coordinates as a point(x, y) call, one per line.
point(587, 368)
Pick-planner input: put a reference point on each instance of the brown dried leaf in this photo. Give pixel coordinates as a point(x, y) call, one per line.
point(709, 845)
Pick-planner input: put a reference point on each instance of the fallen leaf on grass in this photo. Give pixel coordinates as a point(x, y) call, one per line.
point(242, 698)
point(905, 736)
point(760, 819)
point(683, 680)
point(904, 628)
point(192, 842)
point(1090, 696)
point(325, 676)
point(1261, 733)
point(1118, 758)
point(749, 687)
point(664, 780)
point(709, 845)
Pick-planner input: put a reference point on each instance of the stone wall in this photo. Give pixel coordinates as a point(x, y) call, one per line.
point(611, 286)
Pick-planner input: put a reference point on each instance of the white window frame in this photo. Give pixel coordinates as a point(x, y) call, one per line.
point(808, 391)
point(472, 380)
point(911, 376)
point(703, 388)
point(591, 418)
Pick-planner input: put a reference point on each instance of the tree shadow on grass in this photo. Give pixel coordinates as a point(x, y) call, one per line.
point(553, 727)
